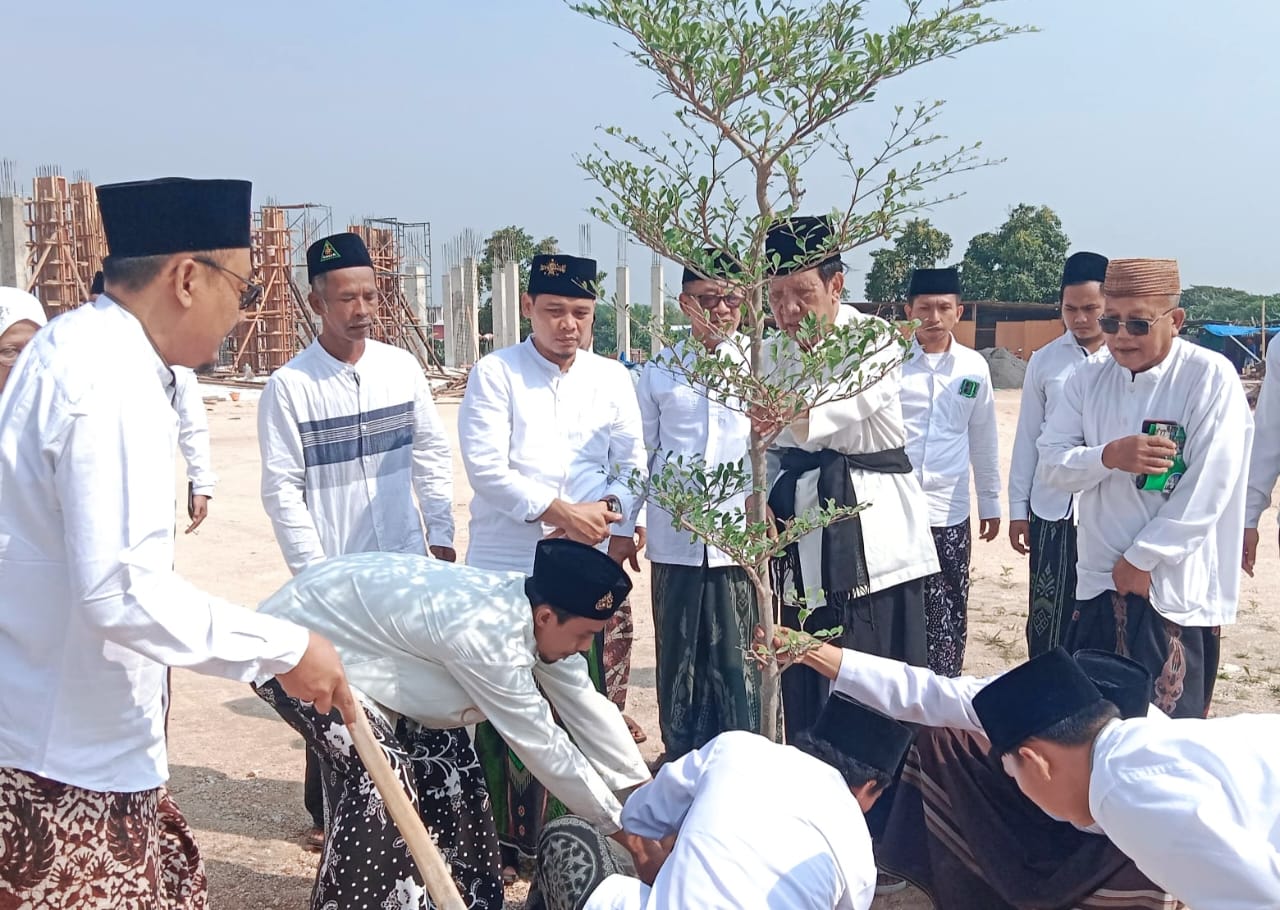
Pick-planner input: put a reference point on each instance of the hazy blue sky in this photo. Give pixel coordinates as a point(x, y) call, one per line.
point(1150, 126)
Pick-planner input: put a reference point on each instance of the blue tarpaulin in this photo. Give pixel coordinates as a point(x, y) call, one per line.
point(1233, 331)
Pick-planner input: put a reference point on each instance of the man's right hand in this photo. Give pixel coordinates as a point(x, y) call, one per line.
point(1250, 557)
point(585, 522)
point(1140, 454)
point(648, 855)
point(319, 679)
point(1020, 536)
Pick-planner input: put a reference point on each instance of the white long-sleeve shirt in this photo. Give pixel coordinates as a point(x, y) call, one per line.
point(734, 851)
point(682, 420)
point(1264, 460)
point(1188, 540)
point(344, 449)
point(895, 525)
point(91, 611)
point(193, 431)
point(449, 646)
point(950, 415)
point(1196, 805)
point(1047, 371)
point(531, 433)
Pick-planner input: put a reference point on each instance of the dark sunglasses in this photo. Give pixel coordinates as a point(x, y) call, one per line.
point(252, 292)
point(1110, 325)
point(711, 301)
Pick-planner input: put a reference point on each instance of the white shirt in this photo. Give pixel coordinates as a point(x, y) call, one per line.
point(531, 434)
point(895, 526)
point(450, 646)
point(1196, 805)
point(344, 448)
point(681, 421)
point(734, 850)
point(950, 415)
point(91, 612)
point(1264, 461)
point(193, 431)
point(1047, 370)
point(1189, 540)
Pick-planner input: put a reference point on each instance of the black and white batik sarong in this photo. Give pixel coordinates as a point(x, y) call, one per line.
point(365, 864)
point(573, 859)
point(946, 600)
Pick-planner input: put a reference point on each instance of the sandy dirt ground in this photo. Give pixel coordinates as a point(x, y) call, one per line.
point(237, 769)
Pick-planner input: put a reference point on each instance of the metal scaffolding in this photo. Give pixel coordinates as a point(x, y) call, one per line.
point(401, 254)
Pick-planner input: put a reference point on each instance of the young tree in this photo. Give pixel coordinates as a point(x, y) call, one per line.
point(919, 245)
point(761, 88)
point(1020, 261)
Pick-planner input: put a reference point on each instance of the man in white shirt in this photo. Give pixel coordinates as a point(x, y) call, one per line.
point(91, 613)
point(848, 450)
point(349, 433)
point(550, 436)
point(193, 440)
point(1042, 522)
point(704, 605)
point(950, 415)
point(1161, 519)
point(1264, 460)
point(736, 845)
point(1195, 803)
point(432, 649)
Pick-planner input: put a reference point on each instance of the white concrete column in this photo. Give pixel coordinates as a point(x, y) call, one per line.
point(622, 310)
point(511, 299)
point(450, 332)
point(468, 325)
point(657, 308)
point(14, 271)
point(498, 306)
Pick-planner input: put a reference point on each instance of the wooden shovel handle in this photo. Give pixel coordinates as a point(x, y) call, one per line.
point(431, 865)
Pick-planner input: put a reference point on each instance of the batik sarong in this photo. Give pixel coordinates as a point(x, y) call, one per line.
point(573, 859)
point(1051, 594)
point(946, 599)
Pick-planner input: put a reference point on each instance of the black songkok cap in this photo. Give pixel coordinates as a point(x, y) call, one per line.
point(799, 243)
point(1122, 681)
point(718, 265)
point(1031, 698)
point(98, 285)
point(934, 281)
point(174, 215)
point(578, 579)
point(564, 276)
point(1082, 267)
point(337, 251)
point(862, 733)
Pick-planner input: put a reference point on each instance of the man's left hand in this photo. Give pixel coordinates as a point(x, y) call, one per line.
point(199, 511)
point(989, 528)
point(1129, 579)
point(648, 855)
point(447, 554)
point(623, 550)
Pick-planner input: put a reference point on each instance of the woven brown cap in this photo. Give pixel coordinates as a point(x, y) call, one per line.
point(1142, 278)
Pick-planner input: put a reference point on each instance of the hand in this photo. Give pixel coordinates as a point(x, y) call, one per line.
point(988, 528)
point(1020, 536)
point(585, 522)
point(623, 550)
point(199, 511)
point(642, 538)
point(319, 679)
point(447, 554)
point(648, 855)
point(1129, 579)
point(1250, 556)
point(1140, 454)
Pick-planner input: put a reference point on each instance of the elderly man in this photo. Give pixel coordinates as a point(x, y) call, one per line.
point(1155, 442)
point(1042, 519)
point(704, 606)
point(90, 610)
point(433, 648)
point(950, 415)
point(349, 433)
point(550, 436)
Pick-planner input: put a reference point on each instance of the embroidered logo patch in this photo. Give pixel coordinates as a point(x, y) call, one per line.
point(553, 268)
point(969, 389)
point(327, 252)
point(605, 603)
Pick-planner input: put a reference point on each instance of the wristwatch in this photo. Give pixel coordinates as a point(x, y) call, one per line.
point(613, 503)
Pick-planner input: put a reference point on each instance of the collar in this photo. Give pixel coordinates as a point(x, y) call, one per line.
point(333, 363)
point(920, 353)
point(546, 366)
point(140, 338)
point(1153, 375)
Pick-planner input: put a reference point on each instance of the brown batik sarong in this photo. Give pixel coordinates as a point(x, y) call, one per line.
point(61, 846)
point(962, 832)
point(619, 632)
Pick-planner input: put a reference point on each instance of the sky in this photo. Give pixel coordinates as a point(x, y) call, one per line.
point(1150, 126)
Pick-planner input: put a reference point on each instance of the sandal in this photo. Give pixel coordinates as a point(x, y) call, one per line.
point(637, 732)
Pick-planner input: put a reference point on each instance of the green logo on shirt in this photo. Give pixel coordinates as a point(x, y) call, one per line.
point(969, 389)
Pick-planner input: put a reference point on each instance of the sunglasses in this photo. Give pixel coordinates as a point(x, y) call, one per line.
point(1110, 325)
point(711, 301)
point(252, 292)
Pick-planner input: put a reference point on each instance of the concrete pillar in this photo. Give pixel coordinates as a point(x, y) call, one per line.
point(468, 321)
point(450, 333)
point(414, 286)
point(622, 309)
point(498, 306)
point(14, 272)
point(657, 308)
point(511, 279)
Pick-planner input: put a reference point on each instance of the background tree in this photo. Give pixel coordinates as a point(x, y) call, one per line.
point(760, 87)
point(1213, 304)
point(919, 245)
point(1022, 261)
point(501, 246)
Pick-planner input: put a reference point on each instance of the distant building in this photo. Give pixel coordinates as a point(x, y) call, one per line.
point(1020, 328)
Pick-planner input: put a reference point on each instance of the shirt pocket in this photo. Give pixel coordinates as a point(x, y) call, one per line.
point(960, 398)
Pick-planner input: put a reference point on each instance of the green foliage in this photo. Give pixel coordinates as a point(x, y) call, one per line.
point(1022, 261)
point(919, 245)
point(1213, 304)
point(507, 243)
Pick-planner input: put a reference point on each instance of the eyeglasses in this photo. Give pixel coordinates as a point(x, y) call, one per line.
point(1110, 325)
point(711, 301)
point(252, 292)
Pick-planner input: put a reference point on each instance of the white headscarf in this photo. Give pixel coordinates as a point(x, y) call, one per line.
point(16, 305)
